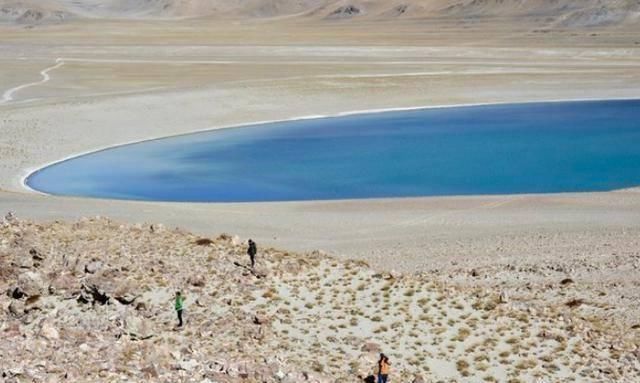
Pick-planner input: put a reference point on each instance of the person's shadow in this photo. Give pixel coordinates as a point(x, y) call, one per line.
point(369, 379)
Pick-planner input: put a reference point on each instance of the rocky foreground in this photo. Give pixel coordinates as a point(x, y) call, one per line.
point(92, 301)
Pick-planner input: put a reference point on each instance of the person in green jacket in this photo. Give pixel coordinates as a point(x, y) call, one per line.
point(179, 307)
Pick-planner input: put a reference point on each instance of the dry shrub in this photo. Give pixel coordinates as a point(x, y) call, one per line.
point(574, 303)
point(204, 242)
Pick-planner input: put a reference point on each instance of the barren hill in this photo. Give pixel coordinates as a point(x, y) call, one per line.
point(92, 301)
point(563, 13)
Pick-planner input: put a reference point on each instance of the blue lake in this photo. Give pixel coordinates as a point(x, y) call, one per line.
point(496, 149)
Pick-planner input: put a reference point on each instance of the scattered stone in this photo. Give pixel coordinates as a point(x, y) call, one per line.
point(10, 217)
point(95, 294)
point(197, 281)
point(124, 300)
point(566, 281)
point(31, 283)
point(261, 318)
point(35, 255)
point(49, 332)
point(16, 308)
point(138, 328)
point(93, 267)
point(188, 365)
point(16, 293)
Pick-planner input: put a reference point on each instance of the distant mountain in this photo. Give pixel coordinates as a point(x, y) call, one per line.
point(565, 13)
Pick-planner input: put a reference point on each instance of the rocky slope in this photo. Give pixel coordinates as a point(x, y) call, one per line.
point(552, 13)
point(92, 301)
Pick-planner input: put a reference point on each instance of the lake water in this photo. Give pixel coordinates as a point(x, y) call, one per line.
point(496, 149)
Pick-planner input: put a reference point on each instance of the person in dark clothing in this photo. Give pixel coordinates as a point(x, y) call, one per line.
point(252, 251)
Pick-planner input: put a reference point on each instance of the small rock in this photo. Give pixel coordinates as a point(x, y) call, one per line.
point(138, 328)
point(10, 217)
point(566, 281)
point(197, 281)
point(49, 332)
point(16, 293)
point(31, 283)
point(16, 308)
point(150, 371)
point(25, 263)
point(260, 318)
point(188, 365)
point(35, 255)
point(93, 267)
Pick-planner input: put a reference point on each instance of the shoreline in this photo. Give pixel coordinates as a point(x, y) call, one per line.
point(28, 172)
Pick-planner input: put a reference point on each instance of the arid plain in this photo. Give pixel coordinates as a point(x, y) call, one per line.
point(81, 85)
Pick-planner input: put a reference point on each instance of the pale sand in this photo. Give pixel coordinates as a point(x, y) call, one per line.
point(137, 81)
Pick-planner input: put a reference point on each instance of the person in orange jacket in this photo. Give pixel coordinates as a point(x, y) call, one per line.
point(383, 368)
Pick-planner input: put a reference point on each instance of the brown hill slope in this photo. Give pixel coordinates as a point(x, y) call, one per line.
point(564, 13)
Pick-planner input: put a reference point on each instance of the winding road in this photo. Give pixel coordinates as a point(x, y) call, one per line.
point(7, 96)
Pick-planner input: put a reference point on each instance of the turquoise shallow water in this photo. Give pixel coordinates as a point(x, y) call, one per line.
point(496, 149)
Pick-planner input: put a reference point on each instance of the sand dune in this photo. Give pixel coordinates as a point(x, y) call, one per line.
point(559, 13)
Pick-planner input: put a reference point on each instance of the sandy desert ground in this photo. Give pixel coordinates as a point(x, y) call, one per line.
point(73, 87)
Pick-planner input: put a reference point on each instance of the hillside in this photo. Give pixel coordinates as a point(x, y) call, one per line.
point(560, 13)
point(103, 293)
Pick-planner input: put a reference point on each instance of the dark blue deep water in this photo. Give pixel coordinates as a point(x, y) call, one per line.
point(498, 149)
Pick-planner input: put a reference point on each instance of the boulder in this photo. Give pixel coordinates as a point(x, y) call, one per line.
point(31, 283)
point(25, 263)
point(93, 267)
point(48, 331)
point(16, 293)
point(188, 365)
point(16, 308)
point(94, 295)
point(64, 283)
point(138, 328)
